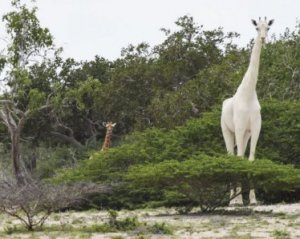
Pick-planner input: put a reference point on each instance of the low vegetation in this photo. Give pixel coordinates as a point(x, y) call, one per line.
point(33, 202)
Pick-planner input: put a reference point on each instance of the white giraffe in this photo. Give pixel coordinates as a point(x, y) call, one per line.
point(241, 118)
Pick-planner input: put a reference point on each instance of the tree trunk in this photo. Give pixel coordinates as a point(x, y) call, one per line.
point(14, 124)
point(16, 157)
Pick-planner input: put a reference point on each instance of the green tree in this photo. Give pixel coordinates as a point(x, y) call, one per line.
point(207, 89)
point(27, 41)
point(280, 64)
point(146, 84)
point(189, 50)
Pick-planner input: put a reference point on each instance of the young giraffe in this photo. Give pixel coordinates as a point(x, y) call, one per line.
point(241, 118)
point(109, 128)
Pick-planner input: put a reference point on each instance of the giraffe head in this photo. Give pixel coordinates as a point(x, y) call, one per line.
point(109, 125)
point(262, 27)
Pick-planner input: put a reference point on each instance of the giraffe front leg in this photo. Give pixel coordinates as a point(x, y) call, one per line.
point(228, 138)
point(255, 131)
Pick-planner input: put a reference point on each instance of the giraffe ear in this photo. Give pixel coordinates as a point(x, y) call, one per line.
point(104, 124)
point(271, 22)
point(254, 22)
point(114, 124)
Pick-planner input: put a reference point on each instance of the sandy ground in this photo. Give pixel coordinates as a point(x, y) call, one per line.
point(273, 221)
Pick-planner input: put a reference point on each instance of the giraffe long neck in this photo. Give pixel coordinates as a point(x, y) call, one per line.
point(250, 79)
point(107, 140)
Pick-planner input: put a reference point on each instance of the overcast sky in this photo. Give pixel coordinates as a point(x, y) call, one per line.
point(85, 28)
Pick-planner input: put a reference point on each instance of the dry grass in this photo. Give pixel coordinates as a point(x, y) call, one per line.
point(274, 221)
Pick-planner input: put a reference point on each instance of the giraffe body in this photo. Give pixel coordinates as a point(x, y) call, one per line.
point(107, 140)
point(241, 118)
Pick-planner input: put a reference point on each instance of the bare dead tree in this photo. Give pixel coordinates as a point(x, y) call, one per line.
point(32, 203)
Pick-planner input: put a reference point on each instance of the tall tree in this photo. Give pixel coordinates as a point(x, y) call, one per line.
point(28, 43)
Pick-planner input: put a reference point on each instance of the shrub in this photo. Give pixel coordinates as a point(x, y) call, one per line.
point(278, 142)
point(151, 146)
point(281, 234)
point(280, 135)
point(205, 181)
point(127, 224)
point(160, 228)
point(33, 202)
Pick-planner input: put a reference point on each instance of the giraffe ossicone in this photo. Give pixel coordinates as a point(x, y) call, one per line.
point(241, 118)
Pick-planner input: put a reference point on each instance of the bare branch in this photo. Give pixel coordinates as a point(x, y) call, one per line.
point(32, 203)
point(4, 118)
point(28, 112)
point(70, 139)
point(10, 121)
point(6, 102)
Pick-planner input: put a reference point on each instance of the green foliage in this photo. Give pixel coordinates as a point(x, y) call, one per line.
point(187, 51)
point(9, 230)
point(280, 135)
point(28, 40)
point(198, 143)
point(130, 224)
point(279, 75)
point(160, 228)
point(104, 228)
point(36, 99)
point(281, 234)
point(205, 90)
point(23, 23)
point(85, 93)
point(153, 145)
point(50, 159)
point(205, 180)
point(127, 224)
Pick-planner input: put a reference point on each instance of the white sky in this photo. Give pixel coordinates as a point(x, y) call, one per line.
point(85, 28)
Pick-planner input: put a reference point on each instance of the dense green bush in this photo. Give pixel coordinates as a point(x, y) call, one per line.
point(152, 146)
point(280, 135)
point(205, 180)
point(278, 142)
